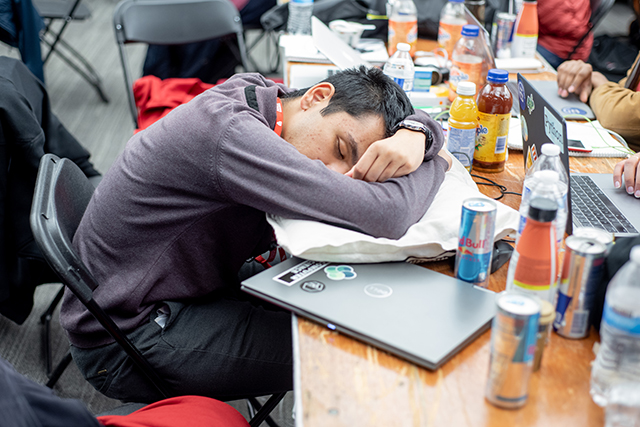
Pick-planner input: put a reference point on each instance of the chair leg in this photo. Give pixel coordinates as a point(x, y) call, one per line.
point(265, 410)
point(85, 69)
point(45, 319)
point(55, 376)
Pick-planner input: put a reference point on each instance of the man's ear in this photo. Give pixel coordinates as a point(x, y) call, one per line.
point(317, 94)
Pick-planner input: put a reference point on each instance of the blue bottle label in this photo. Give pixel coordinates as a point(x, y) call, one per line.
point(621, 320)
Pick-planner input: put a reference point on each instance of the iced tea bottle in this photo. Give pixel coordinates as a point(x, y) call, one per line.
point(494, 112)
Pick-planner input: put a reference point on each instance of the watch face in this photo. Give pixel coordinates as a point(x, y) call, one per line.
point(413, 125)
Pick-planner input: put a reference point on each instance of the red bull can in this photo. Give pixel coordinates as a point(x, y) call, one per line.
point(583, 267)
point(501, 33)
point(475, 241)
point(513, 345)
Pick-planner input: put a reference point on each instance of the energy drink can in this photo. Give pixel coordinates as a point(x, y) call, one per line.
point(475, 241)
point(598, 234)
point(583, 266)
point(513, 345)
point(501, 33)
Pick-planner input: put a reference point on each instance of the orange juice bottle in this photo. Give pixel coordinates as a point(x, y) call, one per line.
point(467, 61)
point(525, 33)
point(403, 25)
point(463, 122)
point(452, 19)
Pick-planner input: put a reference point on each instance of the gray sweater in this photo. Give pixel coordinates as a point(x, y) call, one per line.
point(183, 206)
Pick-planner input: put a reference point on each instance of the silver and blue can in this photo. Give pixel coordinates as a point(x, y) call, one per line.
point(581, 273)
point(475, 241)
point(501, 34)
point(598, 234)
point(513, 346)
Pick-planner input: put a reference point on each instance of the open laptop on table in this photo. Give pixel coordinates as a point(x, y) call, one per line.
point(569, 107)
point(415, 313)
point(593, 200)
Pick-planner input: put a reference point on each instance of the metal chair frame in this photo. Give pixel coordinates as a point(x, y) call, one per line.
point(173, 22)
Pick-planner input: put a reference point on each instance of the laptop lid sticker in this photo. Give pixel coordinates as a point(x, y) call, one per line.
point(299, 272)
point(553, 129)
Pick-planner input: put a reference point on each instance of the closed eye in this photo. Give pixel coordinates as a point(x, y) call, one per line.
point(339, 150)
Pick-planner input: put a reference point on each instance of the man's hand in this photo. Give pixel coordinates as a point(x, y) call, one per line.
point(575, 77)
point(391, 157)
point(629, 171)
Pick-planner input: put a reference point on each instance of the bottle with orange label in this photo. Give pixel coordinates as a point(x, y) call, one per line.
point(452, 19)
point(403, 25)
point(525, 33)
point(468, 60)
point(494, 112)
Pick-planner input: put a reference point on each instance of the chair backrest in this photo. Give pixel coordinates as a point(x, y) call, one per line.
point(173, 22)
point(61, 196)
point(599, 9)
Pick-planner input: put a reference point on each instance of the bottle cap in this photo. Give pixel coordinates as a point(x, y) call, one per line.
point(542, 209)
point(470, 31)
point(466, 88)
point(547, 176)
point(497, 76)
point(456, 1)
point(404, 47)
point(635, 254)
point(547, 312)
point(550, 149)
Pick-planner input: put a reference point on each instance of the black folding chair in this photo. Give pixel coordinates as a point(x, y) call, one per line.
point(61, 196)
point(173, 22)
point(66, 11)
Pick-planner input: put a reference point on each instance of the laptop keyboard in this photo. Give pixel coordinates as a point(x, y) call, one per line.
point(592, 208)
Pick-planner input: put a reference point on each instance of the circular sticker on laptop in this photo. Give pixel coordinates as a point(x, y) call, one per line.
point(378, 290)
point(340, 272)
point(521, 96)
point(312, 286)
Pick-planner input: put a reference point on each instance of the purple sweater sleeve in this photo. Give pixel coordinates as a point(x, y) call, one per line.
point(269, 174)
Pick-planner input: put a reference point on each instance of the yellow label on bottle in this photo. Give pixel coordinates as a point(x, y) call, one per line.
point(491, 137)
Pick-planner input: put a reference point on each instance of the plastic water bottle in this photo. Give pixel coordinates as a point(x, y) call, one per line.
point(463, 123)
point(299, 21)
point(549, 160)
point(618, 359)
point(400, 67)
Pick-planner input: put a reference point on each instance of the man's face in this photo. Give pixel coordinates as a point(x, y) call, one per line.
point(337, 139)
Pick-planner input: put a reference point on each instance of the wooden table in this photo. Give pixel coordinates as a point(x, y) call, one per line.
point(340, 381)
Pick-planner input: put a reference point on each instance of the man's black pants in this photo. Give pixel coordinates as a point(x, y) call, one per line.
point(226, 349)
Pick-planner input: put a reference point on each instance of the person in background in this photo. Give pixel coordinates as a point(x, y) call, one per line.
point(627, 173)
point(563, 30)
point(616, 107)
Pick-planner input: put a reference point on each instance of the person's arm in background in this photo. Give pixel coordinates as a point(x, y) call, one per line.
point(615, 107)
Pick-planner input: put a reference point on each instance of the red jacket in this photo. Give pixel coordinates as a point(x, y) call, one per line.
point(562, 23)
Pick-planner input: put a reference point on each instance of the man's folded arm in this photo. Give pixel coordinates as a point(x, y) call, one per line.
point(272, 176)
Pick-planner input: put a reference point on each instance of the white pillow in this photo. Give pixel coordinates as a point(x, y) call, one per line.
point(435, 236)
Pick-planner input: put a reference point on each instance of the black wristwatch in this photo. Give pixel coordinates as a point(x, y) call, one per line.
point(418, 127)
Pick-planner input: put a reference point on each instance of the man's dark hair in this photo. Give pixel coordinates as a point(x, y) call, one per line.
point(363, 91)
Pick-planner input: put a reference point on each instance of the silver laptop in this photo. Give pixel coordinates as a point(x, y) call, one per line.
point(569, 107)
point(593, 200)
point(410, 311)
point(333, 47)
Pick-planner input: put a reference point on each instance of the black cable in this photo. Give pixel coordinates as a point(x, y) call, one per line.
point(500, 187)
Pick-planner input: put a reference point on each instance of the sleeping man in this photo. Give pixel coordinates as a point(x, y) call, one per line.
point(184, 206)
